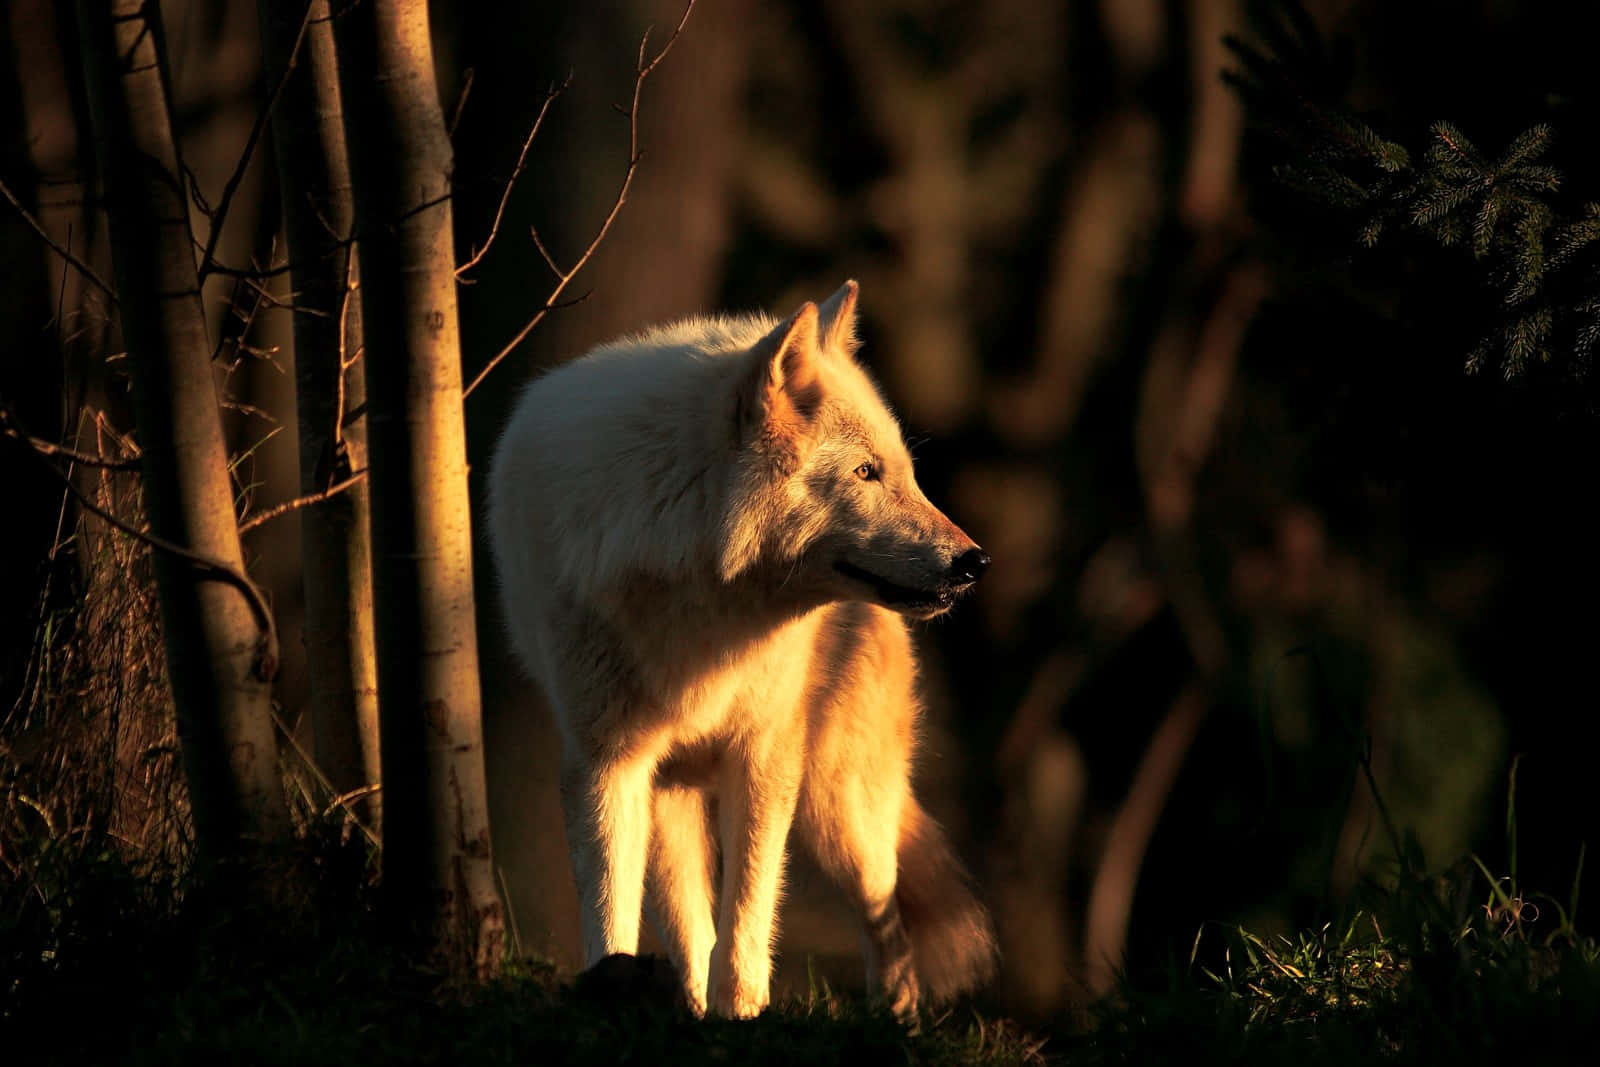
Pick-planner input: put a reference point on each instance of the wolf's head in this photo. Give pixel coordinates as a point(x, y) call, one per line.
point(823, 493)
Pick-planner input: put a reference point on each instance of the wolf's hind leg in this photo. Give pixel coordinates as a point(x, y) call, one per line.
point(679, 884)
point(853, 832)
point(607, 810)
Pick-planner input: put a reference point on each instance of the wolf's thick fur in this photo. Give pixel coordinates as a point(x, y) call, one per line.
point(707, 537)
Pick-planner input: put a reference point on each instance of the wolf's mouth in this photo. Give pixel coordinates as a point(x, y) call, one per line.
point(896, 595)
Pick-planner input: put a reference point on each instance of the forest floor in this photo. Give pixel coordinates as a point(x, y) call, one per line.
point(101, 964)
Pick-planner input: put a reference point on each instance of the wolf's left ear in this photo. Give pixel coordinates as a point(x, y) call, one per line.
point(781, 393)
point(838, 315)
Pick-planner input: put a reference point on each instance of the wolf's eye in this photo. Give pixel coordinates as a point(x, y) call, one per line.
point(867, 472)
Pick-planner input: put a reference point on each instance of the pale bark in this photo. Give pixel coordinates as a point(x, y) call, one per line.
point(220, 650)
point(438, 873)
point(318, 221)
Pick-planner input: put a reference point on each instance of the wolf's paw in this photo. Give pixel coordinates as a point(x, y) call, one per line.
point(734, 1002)
point(901, 992)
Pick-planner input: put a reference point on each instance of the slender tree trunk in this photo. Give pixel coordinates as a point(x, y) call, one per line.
point(438, 873)
point(220, 653)
point(318, 219)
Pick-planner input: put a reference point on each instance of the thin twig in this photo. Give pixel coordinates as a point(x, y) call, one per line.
point(346, 799)
point(254, 274)
point(642, 70)
point(288, 304)
point(301, 501)
point(346, 360)
point(343, 800)
point(461, 102)
point(220, 216)
point(11, 427)
point(527, 328)
point(522, 162)
point(38, 228)
point(549, 260)
point(246, 320)
point(102, 425)
point(267, 660)
point(61, 299)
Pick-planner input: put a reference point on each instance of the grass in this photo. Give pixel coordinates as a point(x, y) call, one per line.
point(112, 953)
point(1459, 968)
point(1362, 996)
point(106, 966)
point(105, 963)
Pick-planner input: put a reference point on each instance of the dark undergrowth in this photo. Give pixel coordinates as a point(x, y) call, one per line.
point(1434, 975)
point(1463, 967)
point(114, 951)
point(103, 963)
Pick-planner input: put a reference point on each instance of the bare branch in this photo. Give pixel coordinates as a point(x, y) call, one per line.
point(245, 319)
point(549, 260)
point(522, 162)
point(642, 71)
point(302, 501)
point(347, 359)
point(12, 427)
point(340, 800)
point(254, 274)
point(103, 425)
point(66, 254)
point(461, 102)
point(521, 335)
point(267, 661)
point(220, 216)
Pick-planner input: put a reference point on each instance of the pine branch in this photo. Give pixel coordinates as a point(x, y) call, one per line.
point(1534, 251)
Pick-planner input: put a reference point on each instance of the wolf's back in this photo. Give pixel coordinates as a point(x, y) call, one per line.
point(614, 464)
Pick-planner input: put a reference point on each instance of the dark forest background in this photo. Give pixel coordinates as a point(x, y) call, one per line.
point(1252, 520)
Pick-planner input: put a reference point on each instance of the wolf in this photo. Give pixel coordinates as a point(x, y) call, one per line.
point(709, 539)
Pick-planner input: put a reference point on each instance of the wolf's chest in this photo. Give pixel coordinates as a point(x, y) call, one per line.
point(713, 684)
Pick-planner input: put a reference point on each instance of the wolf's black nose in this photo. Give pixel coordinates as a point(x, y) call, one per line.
point(970, 565)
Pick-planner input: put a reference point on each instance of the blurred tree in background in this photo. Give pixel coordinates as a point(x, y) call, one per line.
point(1251, 521)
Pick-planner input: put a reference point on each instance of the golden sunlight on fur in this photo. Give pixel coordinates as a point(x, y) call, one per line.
point(708, 539)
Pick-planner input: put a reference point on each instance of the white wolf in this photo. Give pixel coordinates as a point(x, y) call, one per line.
point(706, 537)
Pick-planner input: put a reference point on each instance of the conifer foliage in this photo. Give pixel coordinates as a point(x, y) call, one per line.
point(1534, 242)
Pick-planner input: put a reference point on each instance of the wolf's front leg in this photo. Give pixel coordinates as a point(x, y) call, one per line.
point(757, 801)
point(607, 806)
point(679, 884)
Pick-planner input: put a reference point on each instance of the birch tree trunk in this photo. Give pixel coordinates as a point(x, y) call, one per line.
point(220, 650)
point(336, 565)
point(438, 873)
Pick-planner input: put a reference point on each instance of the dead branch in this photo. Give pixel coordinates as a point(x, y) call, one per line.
point(66, 254)
point(642, 70)
point(12, 427)
point(340, 800)
point(220, 216)
point(267, 659)
point(522, 162)
point(302, 501)
point(254, 274)
point(461, 102)
point(260, 297)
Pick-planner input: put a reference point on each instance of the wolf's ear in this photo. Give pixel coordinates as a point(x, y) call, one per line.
point(782, 392)
point(838, 317)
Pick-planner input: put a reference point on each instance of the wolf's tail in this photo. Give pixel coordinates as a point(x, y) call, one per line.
point(952, 938)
